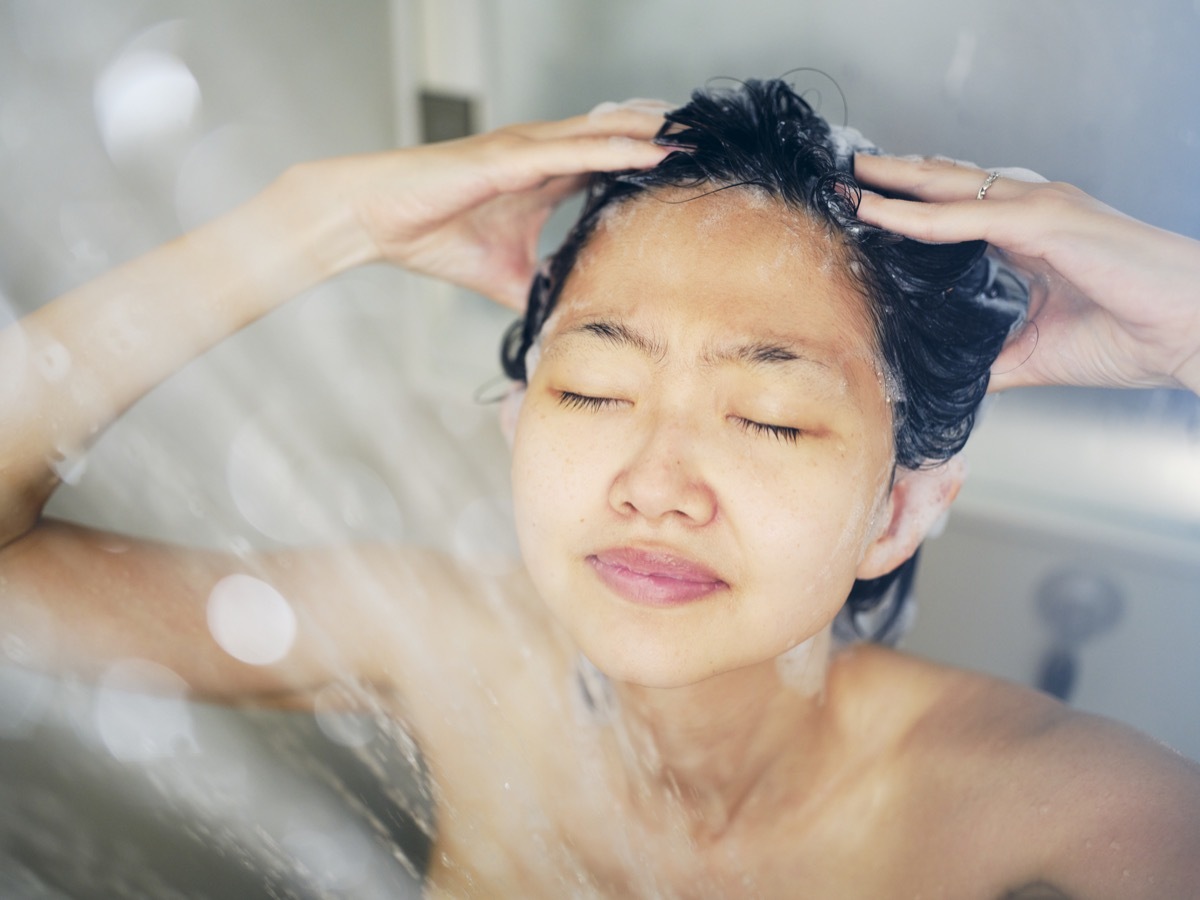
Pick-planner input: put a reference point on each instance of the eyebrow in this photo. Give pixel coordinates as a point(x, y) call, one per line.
point(620, 335)
point(750, 353)
point(760, 353)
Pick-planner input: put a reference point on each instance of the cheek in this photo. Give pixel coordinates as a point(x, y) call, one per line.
point(551, 488)
point(815, 523)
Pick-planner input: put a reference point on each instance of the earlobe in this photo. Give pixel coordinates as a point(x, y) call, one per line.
point(918, 501)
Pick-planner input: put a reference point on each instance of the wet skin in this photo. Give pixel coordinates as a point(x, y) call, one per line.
point(708, 405)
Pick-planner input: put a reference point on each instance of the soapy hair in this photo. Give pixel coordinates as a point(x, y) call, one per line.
point(940, 312)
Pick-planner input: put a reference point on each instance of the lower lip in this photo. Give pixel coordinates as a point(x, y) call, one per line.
point(652, 590)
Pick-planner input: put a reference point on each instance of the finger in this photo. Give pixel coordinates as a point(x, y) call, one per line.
point(511, 291)
point(938, 179)
point(642, 104)
point(941, 223)
point(530, 164)
point(1008, 225)
point(639, 122)
point(554, 191)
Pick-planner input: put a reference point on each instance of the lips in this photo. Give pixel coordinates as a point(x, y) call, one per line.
point(653, 578)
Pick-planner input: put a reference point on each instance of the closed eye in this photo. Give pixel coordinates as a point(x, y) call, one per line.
point(779, 432)
point(571, 400)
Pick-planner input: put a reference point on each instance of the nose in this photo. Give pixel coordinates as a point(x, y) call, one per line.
point(662, 480)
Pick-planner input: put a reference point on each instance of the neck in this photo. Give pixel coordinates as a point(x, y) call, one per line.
point(716, 751)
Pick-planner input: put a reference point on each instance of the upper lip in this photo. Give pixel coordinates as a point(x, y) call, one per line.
point(662, 563)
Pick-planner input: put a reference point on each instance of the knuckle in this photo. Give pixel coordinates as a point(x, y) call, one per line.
point(1054, 197)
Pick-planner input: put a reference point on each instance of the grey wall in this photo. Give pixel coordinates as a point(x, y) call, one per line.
point(1102, 93)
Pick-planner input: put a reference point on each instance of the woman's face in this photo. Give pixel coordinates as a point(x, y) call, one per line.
point(704, 451)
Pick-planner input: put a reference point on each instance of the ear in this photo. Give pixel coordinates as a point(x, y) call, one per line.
point(917, 504)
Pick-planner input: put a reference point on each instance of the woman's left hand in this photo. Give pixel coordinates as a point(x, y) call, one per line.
point(1114, 302)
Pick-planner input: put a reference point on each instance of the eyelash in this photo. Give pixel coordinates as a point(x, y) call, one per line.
point(780, 432)
point(582, 401)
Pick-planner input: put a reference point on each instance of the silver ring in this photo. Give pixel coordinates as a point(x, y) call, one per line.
point(988, 182)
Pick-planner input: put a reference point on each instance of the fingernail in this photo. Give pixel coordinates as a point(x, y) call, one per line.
point(637, 104)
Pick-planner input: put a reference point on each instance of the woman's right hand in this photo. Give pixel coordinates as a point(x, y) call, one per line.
point(470, 210)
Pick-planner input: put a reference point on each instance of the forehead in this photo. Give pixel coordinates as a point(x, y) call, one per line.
point(734, 256)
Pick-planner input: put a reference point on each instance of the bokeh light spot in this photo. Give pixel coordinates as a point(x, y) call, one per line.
point(142, 98)
point(141, 713)
point(250, 620)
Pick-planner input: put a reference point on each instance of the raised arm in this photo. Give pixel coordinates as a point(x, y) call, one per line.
point(1115, 302)
point(468, 211)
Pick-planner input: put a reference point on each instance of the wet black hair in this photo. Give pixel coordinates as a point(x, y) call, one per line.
point(941, 312)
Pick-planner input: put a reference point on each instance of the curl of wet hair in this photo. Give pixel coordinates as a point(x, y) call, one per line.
point(941, 312)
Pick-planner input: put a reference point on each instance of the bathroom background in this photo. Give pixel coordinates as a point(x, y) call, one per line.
point(354, 411)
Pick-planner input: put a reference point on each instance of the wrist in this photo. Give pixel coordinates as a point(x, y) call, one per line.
point(310, 206)
point(1188, 374)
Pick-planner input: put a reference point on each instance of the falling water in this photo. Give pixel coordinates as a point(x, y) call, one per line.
point(116, 132)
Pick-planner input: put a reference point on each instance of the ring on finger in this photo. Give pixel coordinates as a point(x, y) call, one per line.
point(987, 183)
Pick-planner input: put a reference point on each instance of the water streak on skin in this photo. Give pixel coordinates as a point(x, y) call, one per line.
point(804, 667)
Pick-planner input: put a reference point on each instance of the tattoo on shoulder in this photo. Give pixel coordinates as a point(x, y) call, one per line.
point(1038, 890)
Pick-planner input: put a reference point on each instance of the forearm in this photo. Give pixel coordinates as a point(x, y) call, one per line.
point(77, 363)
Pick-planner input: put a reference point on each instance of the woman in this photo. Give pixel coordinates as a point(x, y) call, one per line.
point(705, 461)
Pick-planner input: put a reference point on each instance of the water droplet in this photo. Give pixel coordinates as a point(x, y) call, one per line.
point(240, 546)
point(350, 729)
point(484, 538)
point(14, 647)
point(140, 712)
point(68, 465)
point(53, 362)
point(142, 98)
point(334, 857)
point(26, 632)
point(24, 697)
point(250, 620)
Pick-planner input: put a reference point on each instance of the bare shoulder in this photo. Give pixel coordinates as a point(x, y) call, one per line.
point(1075, 800)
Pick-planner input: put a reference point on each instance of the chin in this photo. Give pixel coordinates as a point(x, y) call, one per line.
point(647, 667)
